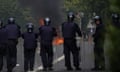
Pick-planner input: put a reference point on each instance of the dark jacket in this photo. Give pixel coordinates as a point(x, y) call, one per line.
point(47, 34)
point(3, 35)
point(30, 40)
point(13, 31)
point(69, 30)
point(99, 33)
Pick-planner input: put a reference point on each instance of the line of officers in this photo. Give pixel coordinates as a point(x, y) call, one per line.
point(10, 33)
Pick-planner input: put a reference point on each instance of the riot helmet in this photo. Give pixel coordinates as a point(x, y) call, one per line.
point(30, 27)
point(11, 20)
point(70, 16)
point(47, 21)
point(115, 17)
point(97, 20)
point(116, 20)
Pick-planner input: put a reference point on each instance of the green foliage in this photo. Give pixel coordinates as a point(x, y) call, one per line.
point(87, 6)
point(71, 5)
point(103, 8)
point(115, 5)
point(114, 33)
point(11, 8)
point(114, 49)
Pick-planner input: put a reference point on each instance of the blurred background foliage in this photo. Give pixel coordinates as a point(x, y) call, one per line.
point(11, 8)
point(104, 8)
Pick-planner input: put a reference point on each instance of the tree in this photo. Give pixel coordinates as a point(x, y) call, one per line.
point(11, 8)
point(115, 5)
point(113, 35)
point(104, 8)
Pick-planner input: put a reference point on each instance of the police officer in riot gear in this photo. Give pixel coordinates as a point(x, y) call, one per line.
point(47, 33)
point(69, 30)
point(3, 43)
point(116, 20)
point(99, 42)
point(13, 33)
point(30, 44)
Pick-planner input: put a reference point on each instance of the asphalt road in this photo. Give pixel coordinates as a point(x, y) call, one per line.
point(86, 55)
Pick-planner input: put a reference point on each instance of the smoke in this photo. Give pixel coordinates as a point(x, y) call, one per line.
point(45, 8)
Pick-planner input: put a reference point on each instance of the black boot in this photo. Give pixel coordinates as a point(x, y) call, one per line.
point(95, 69)
point(78, 68)
point(69, 68)
point(50, 68)
point(44, 69)
point(9, 71)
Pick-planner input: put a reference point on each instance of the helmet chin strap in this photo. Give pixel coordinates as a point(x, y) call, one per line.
point(70, 20)
point(30, 30)
point(47, 24)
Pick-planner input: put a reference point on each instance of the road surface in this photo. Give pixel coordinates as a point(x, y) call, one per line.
point(86, 55)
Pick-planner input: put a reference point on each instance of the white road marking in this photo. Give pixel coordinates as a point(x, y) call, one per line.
point(54, 62)
point(17, 65)
point(59, 59)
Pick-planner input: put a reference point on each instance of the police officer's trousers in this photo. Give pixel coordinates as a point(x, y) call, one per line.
point(99, 55)
point(2, 54)
point(1, 62)
point(70, 47)
point(46, 55)
point(29, 57)
point(11, 54)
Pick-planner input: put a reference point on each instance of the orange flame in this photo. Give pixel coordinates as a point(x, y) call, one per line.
point(58, 41)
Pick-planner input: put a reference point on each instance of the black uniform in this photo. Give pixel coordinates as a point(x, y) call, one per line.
point(30, 44)
point(98, 47)
point(46, 37)
point(3, 45)
point(69, 30)
point(13, 33)
point(116, 20)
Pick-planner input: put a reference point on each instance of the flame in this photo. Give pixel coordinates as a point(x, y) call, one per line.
point(58, 41)
point(41, 21)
